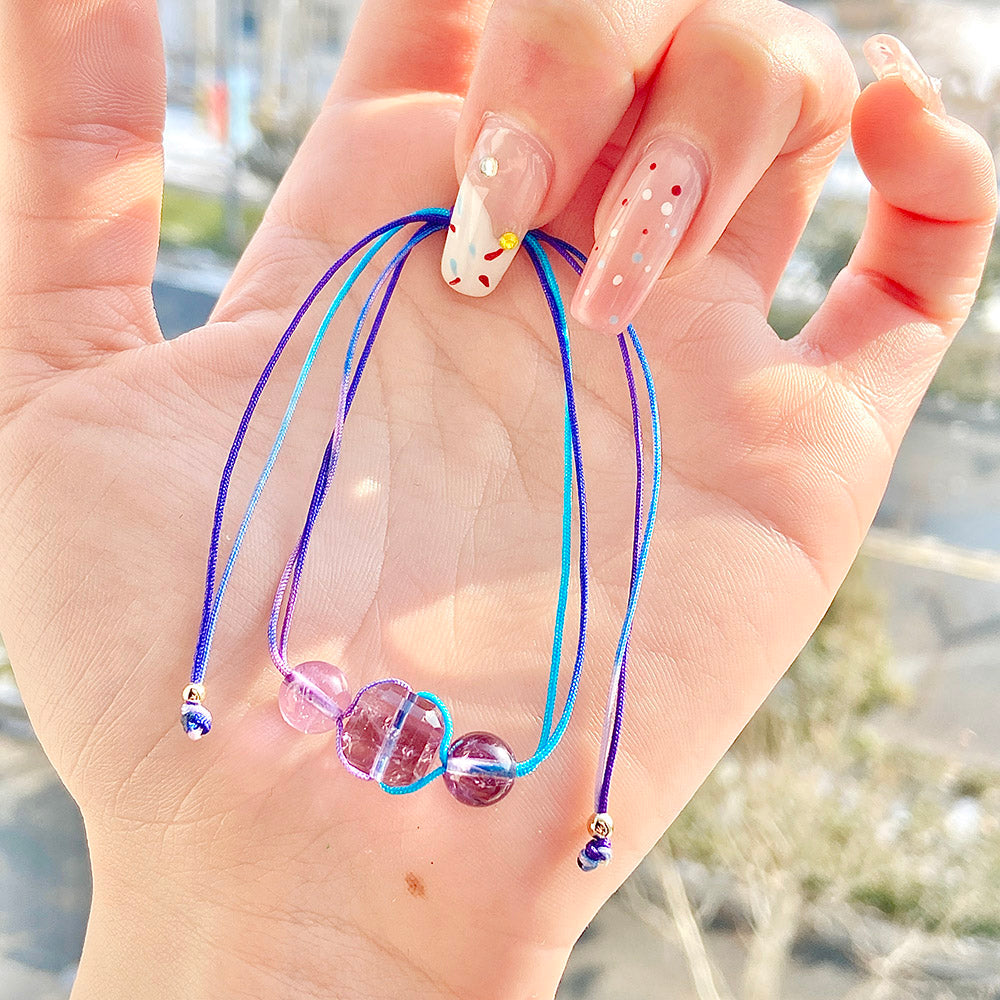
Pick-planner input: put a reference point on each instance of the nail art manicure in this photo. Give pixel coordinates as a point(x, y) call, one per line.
point(504, 185)
point(655, 208)
point(888, 56)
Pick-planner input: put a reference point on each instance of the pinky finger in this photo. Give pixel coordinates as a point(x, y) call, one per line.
point(913, 277)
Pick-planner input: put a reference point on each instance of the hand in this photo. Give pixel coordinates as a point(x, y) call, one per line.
point(250, 864)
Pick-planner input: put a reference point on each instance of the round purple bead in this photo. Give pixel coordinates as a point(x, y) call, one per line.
point(314, 696)
point(480, 769)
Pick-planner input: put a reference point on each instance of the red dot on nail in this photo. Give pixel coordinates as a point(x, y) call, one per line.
point(484, 280)
point(624, 201)
point(451, 226)
point(493, 255)
point(652, 166)
point(454, 281)
point(675, 190)
point(645, 232)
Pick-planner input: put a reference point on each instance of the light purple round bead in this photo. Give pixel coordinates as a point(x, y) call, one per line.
point(314, 696)
point(480, 769)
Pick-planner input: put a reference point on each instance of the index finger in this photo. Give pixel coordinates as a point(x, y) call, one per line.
point(552, 82)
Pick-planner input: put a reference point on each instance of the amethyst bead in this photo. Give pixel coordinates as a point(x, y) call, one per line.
point(480, 769)
point(314, 696)
point(391, 734)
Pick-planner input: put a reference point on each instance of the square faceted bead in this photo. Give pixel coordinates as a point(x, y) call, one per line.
point(391, 734)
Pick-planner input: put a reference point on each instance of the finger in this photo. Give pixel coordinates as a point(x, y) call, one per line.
point(552, 81)
point(913, 277)
point(387, 110)
point(745, 88)
point(398, 47)
point(80, 177)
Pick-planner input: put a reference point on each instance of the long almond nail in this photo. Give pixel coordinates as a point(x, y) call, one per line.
point(656, 206)
point(888, 56)
point(504, 185)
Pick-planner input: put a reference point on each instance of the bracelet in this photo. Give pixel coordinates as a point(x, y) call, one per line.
point(389, 733)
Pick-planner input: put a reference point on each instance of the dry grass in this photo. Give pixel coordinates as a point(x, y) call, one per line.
point(811, 808)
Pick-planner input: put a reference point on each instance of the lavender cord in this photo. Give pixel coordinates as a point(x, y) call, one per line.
point(348, 387)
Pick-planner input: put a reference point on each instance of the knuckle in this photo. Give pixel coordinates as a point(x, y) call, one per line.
point(545, 38)
point(778, 54)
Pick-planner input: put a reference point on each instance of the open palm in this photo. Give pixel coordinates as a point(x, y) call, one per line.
point(436, 558)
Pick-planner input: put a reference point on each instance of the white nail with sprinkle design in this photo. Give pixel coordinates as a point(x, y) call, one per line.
point(504, 185)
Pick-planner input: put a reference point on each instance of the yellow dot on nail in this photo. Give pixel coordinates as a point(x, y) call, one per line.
point(508, 241)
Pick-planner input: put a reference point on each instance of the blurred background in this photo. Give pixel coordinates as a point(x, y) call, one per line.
point(848, 846)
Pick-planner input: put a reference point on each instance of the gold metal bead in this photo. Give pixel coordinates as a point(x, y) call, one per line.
point(601, 825)
point(508, 241)
point(194, 692)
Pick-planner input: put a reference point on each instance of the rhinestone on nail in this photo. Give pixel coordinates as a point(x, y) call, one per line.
point(488, 166)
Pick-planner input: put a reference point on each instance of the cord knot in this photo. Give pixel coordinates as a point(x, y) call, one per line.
point(196, 720)
point(596, 852)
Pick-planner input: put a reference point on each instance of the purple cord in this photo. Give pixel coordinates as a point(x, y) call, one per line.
point(293, 571)
point(601, 803)
point(198, 668)
point(599, 848)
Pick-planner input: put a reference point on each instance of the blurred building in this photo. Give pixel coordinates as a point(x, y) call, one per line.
point(287, 51)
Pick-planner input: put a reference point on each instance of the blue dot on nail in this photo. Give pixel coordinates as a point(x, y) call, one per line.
point(472, 249)
point(458, 205)
point(673, 232)
point(453, 264)
point(613, 320)
point(637, 258)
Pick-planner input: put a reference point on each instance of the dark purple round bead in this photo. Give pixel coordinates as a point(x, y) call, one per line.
point(480, 769)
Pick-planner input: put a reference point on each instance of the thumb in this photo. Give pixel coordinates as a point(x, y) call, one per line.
point(82, 98)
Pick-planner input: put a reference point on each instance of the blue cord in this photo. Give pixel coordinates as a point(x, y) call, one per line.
point(213, 605)
point(433, 220)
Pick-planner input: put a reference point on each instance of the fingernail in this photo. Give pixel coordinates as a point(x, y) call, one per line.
point(655, 208)
point(888, 56)
point(504, 185)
